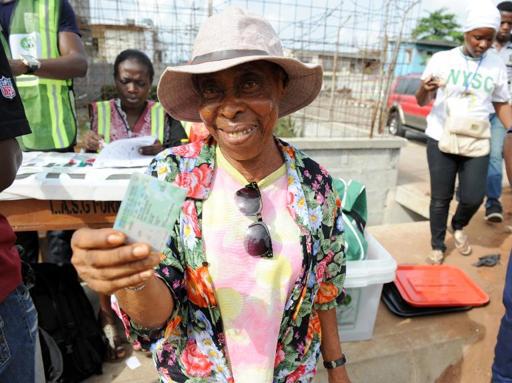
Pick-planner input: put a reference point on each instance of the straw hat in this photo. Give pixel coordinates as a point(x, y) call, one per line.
point(227, 39)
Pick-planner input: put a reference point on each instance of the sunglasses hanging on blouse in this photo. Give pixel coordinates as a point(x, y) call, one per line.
point(257, 240)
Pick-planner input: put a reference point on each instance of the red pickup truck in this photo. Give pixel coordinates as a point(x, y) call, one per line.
point(403, 110)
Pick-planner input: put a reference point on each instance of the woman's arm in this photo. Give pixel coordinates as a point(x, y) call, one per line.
point(507, 155)
point(10, 158)
point(427, 90)
point(331, 346)
point(150, 307)
point(71, 63)
point(504, 113)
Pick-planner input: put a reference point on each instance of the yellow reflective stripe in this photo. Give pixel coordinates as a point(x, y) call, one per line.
point(53, 117)
point(103, 115)
point(44, 27)
point(56, 108)
point(157, 121)
point(53, 50)
point(62, 125)
point(30, 80)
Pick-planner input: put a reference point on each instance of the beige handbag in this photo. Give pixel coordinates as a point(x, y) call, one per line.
point(466, 137)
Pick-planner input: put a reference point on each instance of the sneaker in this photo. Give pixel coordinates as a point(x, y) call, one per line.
point(494, 213)
point(436, 257)
point(461, 242)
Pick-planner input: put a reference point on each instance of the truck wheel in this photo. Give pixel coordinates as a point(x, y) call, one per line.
point(395, 125)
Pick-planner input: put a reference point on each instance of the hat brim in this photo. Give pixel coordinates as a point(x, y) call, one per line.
point(178, 97)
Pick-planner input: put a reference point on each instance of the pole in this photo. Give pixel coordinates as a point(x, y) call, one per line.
point(210, 8)
point(333, 77)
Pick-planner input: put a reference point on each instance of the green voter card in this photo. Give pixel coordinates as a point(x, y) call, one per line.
point(149, 209)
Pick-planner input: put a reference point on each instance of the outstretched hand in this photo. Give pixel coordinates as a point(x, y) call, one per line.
point(104, 260)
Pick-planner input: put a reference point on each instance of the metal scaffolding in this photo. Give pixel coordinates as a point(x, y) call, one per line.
point(356, 41)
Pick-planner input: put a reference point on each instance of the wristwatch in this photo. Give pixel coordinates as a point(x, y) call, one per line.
point(31, 62)
point(335, 363)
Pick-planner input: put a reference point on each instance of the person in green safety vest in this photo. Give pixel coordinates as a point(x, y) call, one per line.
point(43, 43)
point(132, 114)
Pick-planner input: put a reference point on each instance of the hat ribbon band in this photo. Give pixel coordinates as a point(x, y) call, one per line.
point(227, 54)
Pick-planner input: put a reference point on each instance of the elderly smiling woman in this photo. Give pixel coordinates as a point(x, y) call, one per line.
point(247, 288)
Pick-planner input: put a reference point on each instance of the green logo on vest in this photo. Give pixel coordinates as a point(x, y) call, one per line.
point(27, 43)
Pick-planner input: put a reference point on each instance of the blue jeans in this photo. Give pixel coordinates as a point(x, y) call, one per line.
point(495, 172)
point(20, 355)
point(502, 366)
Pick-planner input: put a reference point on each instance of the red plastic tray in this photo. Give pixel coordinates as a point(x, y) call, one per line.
point(438, 286)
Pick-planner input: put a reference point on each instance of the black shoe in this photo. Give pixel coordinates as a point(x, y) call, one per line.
point(494, 213)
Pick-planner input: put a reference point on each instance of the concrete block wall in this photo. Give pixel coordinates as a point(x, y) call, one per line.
point(372, 161)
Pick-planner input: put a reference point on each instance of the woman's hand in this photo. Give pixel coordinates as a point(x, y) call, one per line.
point(107, 264)
point(426, 90)
point(151, 150)
point(431, 83)
point(92, 141)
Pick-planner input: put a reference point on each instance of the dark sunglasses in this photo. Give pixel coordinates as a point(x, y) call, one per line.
point(257, 240)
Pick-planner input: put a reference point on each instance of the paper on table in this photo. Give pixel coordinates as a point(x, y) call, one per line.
point(56, 162)
point(124, 153)
point(149, 210)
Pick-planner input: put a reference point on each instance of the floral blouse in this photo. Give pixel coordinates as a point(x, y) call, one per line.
point(191, 347)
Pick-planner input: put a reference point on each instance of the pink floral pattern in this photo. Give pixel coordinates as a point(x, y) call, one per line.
point(194, 351)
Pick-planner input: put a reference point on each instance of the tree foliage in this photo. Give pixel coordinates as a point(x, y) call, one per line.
point(439, 25)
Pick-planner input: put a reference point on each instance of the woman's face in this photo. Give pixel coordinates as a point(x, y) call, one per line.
point(133, 83)
point(478, 41)
point(240, 107)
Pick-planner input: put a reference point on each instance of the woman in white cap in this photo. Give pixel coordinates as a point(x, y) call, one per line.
point(254, 267)
point(468, 83)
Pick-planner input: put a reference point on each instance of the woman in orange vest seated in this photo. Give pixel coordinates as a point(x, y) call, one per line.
point(132, 114)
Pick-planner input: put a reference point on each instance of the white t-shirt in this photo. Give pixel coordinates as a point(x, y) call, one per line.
point(470, 87)
point(505, 53)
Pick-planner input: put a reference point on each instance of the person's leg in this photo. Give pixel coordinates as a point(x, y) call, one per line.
point(29, 241)
point(18, 338)
point(59, 246)
point(472, 179)
point(443, 170)
point(107, 317)
point(494, 211)
point(502, 366)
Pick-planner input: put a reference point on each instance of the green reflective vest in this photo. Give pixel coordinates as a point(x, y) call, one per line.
point(49, 104)
point(104, 111)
